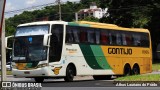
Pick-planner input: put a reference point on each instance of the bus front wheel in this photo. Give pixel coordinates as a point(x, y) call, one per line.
point(39, 79)
point(70, 73)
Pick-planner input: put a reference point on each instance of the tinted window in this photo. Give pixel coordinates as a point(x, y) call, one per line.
point(75, 34)
point(129, 39)
point(124, 39)
point(69, 36)
point(113, 38)
point(119, 38)
point(144, 40)
point(83, 35)
point(136, 39)
point(72, 34)
point(91, 36)
point(97, 34)
point(104, 37)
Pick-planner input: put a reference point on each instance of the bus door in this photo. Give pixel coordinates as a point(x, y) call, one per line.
point(56, 43)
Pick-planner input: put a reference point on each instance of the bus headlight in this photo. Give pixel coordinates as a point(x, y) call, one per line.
point(42, 65)
point(14, 66)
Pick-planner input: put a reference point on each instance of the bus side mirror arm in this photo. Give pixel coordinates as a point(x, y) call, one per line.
point(6, 42)
point(45, 39)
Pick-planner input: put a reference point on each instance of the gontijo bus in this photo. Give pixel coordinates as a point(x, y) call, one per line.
point(61, 49)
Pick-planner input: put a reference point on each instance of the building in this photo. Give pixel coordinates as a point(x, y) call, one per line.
point(92, 11)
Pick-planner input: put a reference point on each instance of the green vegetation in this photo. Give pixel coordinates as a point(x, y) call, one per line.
point(91, 18)
point(8, 72)
point(156, 66)
point(150, 77)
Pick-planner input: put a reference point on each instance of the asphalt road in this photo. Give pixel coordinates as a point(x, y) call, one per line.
point(80, 83)
point(11, 78)
point(100, 88)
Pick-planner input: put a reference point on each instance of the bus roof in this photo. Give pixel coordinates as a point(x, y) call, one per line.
point(111, 26)
point(88, 24)
point(95, 23)
point(42, 23)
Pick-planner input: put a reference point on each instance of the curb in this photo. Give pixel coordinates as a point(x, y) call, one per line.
point(8, 75)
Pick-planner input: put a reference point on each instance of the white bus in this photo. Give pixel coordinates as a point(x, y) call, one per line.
point(58, 49)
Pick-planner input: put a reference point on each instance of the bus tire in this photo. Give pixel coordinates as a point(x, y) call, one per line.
point(136, 69)
point(127, 70)
point(70, 73)
point(102, 77)
point(39, 79)
point(107, 77)
point(95, 77)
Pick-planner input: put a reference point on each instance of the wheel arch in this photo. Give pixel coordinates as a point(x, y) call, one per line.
point(127, 64)
point(124, 67)
point(135, 64)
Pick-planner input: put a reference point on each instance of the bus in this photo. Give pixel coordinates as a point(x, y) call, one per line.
point(59, 49)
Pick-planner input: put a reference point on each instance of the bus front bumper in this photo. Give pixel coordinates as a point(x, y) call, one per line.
point(39, 72)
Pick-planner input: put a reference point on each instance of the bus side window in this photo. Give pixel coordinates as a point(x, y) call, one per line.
point(104, 37)
point(124, 42)
point(76, 35)
point(69, 35)
point(129, 39)
point(144, 40)
point(113, 36)
point(91, 36)
point(110, 38)
point(83, 36)
point(97, 33)
point(136, 38)
point(118, 39)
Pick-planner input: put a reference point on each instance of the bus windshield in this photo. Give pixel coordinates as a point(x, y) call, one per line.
point(29, 47)
point(28, 43)
point(32, 30)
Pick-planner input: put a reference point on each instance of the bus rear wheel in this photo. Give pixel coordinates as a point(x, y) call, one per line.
point(39, 79)
point(136, 70)
point(127, 70)
point(70, 73)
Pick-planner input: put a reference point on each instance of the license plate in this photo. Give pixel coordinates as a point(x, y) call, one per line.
point(27, 72)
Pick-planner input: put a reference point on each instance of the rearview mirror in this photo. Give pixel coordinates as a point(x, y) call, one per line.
point(6, 42)
point(45, 39)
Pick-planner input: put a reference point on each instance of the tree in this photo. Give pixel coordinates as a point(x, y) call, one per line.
point(86, 3)
point(127, 13)
point(91, 18)
point(135, 13)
